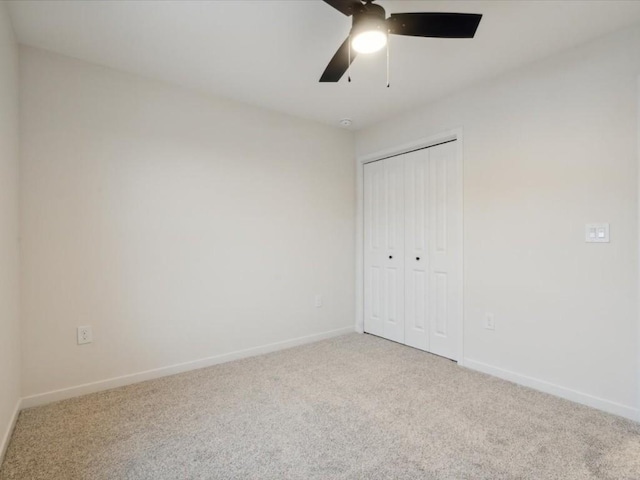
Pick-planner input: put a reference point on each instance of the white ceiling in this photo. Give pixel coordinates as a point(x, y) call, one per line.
point(272, 52)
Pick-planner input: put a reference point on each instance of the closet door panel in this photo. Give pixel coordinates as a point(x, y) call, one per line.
point(444, 251)
point(416, 169)
point(393, 325)
point(374, 247)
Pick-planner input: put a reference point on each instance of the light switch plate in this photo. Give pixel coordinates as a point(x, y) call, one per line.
point(597, 233)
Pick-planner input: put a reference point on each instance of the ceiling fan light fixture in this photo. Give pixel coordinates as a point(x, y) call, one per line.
point(369, 41)
point(370, 29)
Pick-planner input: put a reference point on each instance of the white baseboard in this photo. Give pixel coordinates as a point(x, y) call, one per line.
point(4, 442)
point(65, 393)
point(557, 390)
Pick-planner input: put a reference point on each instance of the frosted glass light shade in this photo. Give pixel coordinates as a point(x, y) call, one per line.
point(369, 41)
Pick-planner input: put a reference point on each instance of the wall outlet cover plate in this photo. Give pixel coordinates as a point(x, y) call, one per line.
point(85, 335)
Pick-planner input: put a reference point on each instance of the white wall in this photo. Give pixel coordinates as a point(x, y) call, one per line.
point(9, 321)
point(177, 225)
point(547, 149)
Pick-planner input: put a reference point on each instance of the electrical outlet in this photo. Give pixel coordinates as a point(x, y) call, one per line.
point(318, 303)
point(489, 321)
point(85, 335)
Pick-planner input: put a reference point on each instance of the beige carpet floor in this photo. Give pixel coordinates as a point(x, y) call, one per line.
point(353, 407)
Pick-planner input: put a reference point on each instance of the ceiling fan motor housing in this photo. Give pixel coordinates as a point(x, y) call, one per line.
point(369, 17)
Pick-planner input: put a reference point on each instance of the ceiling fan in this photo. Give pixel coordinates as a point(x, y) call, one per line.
point(371, 26)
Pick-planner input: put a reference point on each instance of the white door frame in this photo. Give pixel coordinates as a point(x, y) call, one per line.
point(638, 240)
point(454, 134)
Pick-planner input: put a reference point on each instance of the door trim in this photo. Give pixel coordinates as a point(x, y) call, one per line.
point(454, 134)
point(638, 242)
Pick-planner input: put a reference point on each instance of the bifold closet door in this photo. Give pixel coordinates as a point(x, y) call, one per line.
point(432, 250)
point(412, 249)
point(445, 251)
point(416, 262)
point(384, 248)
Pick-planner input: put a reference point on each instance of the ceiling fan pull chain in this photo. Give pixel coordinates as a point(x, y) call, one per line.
point(388, 42)
point(349, 61)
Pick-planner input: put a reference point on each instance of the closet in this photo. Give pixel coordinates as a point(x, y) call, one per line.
point(413, 249)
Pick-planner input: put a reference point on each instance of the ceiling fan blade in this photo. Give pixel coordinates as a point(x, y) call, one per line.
point(339, 63)
point(348, 7)
point(434, 24)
